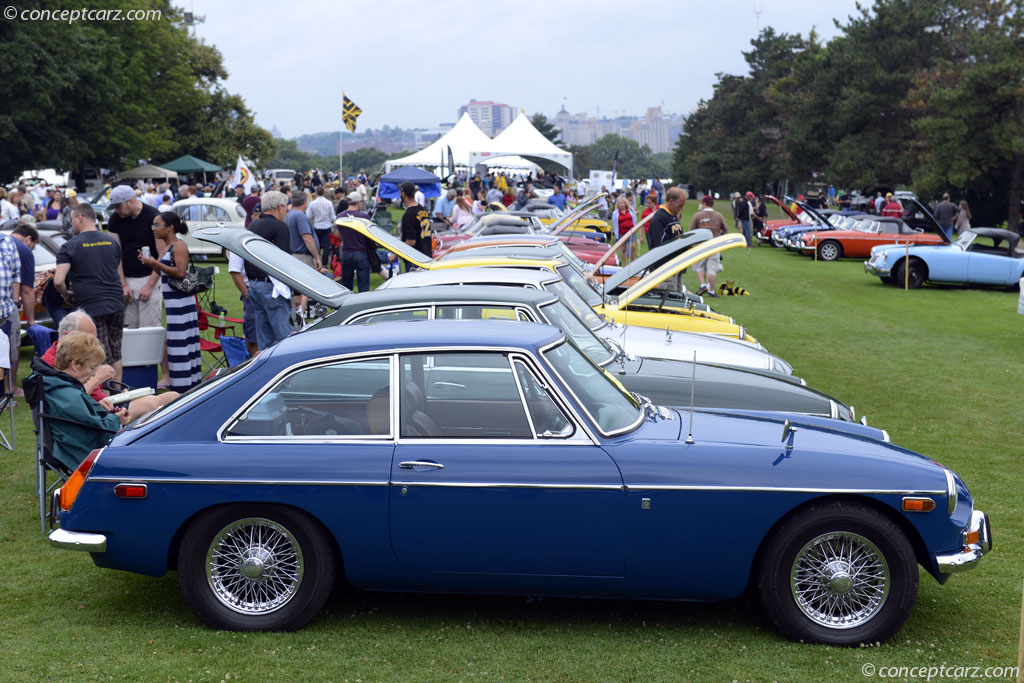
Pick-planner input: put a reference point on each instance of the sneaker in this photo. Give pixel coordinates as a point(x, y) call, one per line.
point(703, 290)
point(712, 295)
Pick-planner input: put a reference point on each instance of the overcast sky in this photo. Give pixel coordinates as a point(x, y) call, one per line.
point(411, 63)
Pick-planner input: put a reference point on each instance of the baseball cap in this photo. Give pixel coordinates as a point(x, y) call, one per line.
point(708, 199)
point(750, 194)
point(71, 193)
point(119, 195)
point(354, 197)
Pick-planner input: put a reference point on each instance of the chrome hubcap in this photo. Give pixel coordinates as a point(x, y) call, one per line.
point(254, 566)
point(840, 580)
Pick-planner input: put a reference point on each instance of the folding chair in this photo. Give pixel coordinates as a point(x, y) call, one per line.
point(234, 348)
point(205, 294)
point(46, 465)
point(7, 396)
point(42, 338)
point(210, 334)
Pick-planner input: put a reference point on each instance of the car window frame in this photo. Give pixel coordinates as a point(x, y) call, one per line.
point(224, 437)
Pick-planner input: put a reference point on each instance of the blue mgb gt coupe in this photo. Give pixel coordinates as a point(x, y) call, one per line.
point(495, 457)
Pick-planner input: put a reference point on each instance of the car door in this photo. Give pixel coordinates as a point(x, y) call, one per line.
point(493, 475)
point(991, 269)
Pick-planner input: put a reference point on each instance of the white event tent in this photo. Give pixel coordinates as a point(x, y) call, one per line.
point(523, 139)
point(463, 138)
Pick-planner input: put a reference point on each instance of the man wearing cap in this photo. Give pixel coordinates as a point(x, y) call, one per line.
point(707, 269)
point(269, 308)
point(415, 223)
point(131, 225)
point(741, 213)
point(355, 257)
point(250, 202)
point(892, 206)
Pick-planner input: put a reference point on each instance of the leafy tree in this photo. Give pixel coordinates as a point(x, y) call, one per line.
point(545, 127)
point(970, 111)
point(110, 93)
point(367, 158)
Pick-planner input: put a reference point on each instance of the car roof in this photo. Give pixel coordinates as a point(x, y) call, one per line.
point(448, 276)
point(400, 296)
point(420, 334)
point(998, 233)
point(204, 200)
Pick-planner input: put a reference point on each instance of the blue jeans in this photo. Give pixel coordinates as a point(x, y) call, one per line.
point(271, 314)
point(746, 231)
point(324, 238)
point(355, 263)
point(947, 231)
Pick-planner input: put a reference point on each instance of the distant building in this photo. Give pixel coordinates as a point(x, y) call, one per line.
point(274, 131)
point(656, 129)
point(490, 117)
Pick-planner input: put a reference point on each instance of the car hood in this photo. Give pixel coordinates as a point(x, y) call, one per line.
point(386, 240)
point(678, 263)
point(276, 263)
point(655, 256)
point(570, 217)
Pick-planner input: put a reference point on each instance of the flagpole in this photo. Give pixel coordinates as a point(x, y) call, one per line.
point(341, 156)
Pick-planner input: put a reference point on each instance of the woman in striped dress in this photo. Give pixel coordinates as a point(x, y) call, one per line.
point(183, 355)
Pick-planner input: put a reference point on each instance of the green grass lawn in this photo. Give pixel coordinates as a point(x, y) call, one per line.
point(939, 368)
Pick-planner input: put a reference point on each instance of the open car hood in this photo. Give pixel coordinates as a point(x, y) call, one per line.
point(276, 263)
point(568, 219)
point(655, 256)
point(386, 240)
point(681, 261)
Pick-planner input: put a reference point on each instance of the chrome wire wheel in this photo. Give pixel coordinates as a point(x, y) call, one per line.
point(254, 566)
point(840, 580)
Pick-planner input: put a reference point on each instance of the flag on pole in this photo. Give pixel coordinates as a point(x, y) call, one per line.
point(242, 176)
point(349, 113)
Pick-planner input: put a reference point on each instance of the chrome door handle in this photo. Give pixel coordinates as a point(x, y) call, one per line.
point(409, 464)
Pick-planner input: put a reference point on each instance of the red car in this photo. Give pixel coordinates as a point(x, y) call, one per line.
point(765, 235)
point(868, 232)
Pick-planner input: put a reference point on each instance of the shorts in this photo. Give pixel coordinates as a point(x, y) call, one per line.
point(109, 330)
point(13, 338)
point(138, 313)
point(306, 258)
point(712, 265)
point(248, 321)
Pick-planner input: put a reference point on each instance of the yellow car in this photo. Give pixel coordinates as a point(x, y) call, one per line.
point(549, 214)
point(629, 307)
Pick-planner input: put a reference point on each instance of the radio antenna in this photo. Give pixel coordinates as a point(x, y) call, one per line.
point(693, 383)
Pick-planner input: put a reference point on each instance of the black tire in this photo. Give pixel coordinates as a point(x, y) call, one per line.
point(293, 559)
point(830, 250)
point(887, 279)
point(918, 273)
point(847, 610)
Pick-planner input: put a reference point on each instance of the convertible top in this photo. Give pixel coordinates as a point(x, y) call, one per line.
point(998, 235)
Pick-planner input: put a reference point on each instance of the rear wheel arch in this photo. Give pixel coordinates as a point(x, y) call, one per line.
point(175, 545)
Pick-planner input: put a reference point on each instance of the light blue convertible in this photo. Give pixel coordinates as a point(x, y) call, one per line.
point(980, 256)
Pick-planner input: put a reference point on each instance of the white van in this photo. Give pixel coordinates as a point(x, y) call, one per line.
point(276, 176)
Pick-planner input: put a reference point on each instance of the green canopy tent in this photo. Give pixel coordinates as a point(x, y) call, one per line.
point(189, 164)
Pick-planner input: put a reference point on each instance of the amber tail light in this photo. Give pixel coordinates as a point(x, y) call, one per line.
point(73, 485)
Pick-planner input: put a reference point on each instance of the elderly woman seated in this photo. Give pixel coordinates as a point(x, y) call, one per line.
point(78, 422)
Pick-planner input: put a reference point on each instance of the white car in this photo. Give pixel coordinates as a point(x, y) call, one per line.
point(208, 212)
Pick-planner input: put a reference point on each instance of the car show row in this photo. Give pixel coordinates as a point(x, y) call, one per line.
point(509, 419)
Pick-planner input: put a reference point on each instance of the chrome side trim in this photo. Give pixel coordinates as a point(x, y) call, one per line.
point(782, 489)
point(833, 409)
point(509, 485)
point(258, 482)
point(77, 540)
point(967, 557)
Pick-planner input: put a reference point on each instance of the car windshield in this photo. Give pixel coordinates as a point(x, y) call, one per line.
point(562, 317)
point(965, 239)
point(609, 405)
point(573, 300)
point(194, 393)
point(580, 285)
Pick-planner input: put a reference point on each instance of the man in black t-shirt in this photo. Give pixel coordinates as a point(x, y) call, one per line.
point(91, 263)
point(664, 226)
point(132, 227)
point(415, 224)
point(269, 308)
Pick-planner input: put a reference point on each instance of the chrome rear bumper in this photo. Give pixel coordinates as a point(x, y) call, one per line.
point(77, 540)
point(967, 557)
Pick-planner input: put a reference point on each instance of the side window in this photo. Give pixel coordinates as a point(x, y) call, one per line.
point(191, 212)
point(240, 210)
point(549, 422)
point(475, 313)
point(215, 213)
point(338, 400)
point(460, 395)
point(392, 316)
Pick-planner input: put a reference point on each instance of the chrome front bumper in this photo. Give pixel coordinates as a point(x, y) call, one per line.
point(77, 540)
point(972, 550)
point(871, 269)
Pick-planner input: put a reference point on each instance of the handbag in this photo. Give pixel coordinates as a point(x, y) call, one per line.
point(188, 284)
